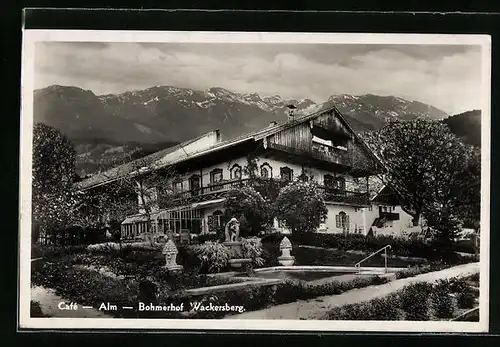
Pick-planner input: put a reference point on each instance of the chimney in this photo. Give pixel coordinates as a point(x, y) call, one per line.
point(272, 123)
point(291, 111)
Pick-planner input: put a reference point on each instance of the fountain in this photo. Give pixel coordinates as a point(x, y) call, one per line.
point(170, 251)
point(286, 259)
point(232, 231)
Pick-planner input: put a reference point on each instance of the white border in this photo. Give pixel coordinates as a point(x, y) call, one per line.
point(30, 37)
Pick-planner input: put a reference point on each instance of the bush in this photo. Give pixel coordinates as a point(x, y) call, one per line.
point(300, 205)
point(419, 301)
point(36, 310)
point(387, 308)
point(249, 207)
point(442, 300)
point(55, 251)
point(252, 248)
point(87, 287)
point(213, 256)
point(466, 300)
point(415, 301)
point(399, 245)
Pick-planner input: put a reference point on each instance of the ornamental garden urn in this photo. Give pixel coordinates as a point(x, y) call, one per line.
point(286, 259)
point(170, 251)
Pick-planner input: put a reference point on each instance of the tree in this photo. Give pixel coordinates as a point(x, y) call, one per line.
point(149, 183)
point(300, 205)
point(426, 165)
point(53, 196)
point(249, 207)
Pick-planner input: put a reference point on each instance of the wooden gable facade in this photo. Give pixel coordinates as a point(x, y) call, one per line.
point(325, 140)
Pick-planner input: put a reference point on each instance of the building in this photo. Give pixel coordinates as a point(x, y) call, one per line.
point(321, 146)
point(386, 216)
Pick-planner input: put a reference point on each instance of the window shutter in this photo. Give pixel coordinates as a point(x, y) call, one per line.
point(337, 221)
point(347, 223)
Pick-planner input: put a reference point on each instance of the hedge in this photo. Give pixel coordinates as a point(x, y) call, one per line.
point(417, 302)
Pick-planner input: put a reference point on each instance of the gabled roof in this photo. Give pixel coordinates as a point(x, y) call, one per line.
point(177, 153)
point(387, 195)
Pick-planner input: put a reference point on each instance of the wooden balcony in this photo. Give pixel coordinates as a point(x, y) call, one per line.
point(389, 215)
point(318, 152)
point(219, 190)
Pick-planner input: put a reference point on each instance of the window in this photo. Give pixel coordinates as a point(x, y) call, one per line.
point(266, 171)
point(339, 183)
point(216, 177)
point(321, 141)
point(215, 221)
point(286, 173)
point(328, 180)
point(178, 186)
point(342, 221)
point(195, 184)
point(235, 172)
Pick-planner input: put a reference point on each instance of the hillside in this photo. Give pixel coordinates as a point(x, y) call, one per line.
point(467, 126)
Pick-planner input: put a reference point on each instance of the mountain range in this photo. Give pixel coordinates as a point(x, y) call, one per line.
point(135, 123)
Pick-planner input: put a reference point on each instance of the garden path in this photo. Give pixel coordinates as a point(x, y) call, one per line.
point(48, 300)
point(317, 308)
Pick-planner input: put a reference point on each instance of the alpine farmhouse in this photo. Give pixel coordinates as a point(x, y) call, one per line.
point(320, 146)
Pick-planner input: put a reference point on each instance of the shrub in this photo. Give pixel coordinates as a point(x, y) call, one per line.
point(249, 207)
point(213, 256)
point(252, 248)
point(87, 287)
point(36, 310)
point(442, 300)
point(55, 251)
point(415, 301)
point(466, 300)
point(300, 205)
point(387, 308)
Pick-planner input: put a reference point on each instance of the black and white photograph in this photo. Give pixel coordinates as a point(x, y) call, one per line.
point(255, 181)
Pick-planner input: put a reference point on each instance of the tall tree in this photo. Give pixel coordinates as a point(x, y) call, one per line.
point(143, 190)
point(427, 166)
point(53, 196)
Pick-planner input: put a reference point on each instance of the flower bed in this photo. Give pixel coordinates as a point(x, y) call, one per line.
point(424, 301)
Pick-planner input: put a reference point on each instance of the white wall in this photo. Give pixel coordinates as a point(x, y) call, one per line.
point(356, 219)
point(395, 228)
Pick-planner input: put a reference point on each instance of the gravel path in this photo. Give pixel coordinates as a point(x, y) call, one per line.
point(317, 308)
point(49, 301)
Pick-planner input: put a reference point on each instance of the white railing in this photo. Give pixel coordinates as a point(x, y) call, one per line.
point(385, 248)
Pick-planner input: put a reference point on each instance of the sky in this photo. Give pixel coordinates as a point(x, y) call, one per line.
point(445, 76)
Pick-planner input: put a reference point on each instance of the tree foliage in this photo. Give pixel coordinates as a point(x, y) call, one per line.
point(250, 208)
point(430, 169)
point(53, 196)
point(300, 205)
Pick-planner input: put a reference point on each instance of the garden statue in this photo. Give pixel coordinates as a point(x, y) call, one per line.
point(170, 251)
point(232, 230)
point(286, 259)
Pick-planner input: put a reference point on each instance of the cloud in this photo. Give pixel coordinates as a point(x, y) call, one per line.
point(448, 77)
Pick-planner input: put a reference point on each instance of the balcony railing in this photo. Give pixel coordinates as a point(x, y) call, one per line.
point(318, 151)
point(219, 190)
point(389, 215)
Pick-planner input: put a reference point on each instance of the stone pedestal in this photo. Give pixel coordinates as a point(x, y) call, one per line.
point(286, 259)
point(236, 261)
point(170, 251)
